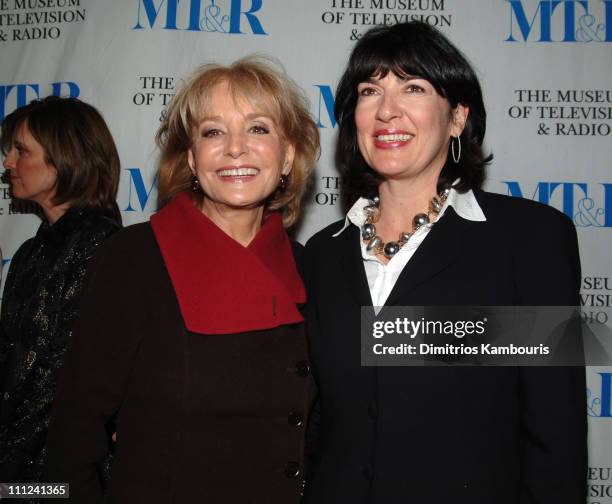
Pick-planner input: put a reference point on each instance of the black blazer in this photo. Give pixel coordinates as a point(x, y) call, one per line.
point(199, 418)
point(448, 434)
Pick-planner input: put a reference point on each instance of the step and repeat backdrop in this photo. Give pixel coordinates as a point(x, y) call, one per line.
point(545, 67)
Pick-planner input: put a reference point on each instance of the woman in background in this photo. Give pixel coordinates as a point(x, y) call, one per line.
point(200, 353)
point(58, 153)
point(421, 232)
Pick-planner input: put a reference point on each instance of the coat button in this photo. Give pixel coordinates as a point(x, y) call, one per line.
point(295, 419)
point(292, 470)
point(302, 369)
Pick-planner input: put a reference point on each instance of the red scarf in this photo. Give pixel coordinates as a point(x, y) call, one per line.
point(221, 286)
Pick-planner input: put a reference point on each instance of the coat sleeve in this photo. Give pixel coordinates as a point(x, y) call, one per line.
point(96, 374)
point(33, 389)
point(553, 409)
point(71, 294)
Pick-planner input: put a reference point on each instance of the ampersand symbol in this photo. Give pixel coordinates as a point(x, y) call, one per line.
point(587, 213)
point(587, 32)
point(3, 36)
point(592, 403)
point(542, 129)
point(355, 35)
point(213, 20)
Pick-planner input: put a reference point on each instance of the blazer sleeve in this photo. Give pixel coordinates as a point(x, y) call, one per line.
point(96, 374)
point(553, 413)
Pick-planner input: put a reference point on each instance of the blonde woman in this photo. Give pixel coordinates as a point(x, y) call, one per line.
point(191, 335)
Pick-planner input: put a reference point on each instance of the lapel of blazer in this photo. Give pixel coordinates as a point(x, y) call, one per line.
point(351, 264)
point(439, 249)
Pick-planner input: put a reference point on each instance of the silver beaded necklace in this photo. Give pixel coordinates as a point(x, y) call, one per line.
point(375, 244)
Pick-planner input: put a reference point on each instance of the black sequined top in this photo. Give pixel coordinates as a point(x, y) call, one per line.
point(39, 306)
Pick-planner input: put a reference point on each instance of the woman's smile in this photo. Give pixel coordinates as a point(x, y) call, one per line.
point(391, 139)
point(238, 173)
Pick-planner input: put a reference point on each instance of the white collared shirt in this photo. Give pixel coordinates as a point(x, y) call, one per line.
point(382, 277)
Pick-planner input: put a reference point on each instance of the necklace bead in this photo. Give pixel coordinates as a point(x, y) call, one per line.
point(391, 248)
point(374, 246)
point(419, 221)
point(404, 237)
point(436, 204)
point(373, 212)
point(375, 243)
point(368, 231)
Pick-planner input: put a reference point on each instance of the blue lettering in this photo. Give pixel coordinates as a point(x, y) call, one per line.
point(137, 182)
point(22, 95)
point(541, 191)
point(608, 8)
point(545, 9)
point(528, 22)
point(544, 192)
point(568, 195)
point(73, 89)
point(326, 99)
point(237, 12)
point(606, 394)
point(608, 204)
point(152, 12)
point(194, 15)
point(570, 18)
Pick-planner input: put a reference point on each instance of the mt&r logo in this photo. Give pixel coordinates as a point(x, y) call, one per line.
point(588, 205)
point(600, 405)
point(219, 16)
point(13, 96)
point(559, 21)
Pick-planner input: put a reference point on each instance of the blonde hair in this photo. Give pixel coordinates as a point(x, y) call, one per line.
point(266, 88)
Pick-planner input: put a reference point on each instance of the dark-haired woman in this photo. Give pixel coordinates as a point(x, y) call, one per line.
point(420, 232)
point(59, 154)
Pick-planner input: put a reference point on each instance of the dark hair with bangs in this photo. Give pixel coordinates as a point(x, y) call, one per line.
point(419, 50)
point(78, 143)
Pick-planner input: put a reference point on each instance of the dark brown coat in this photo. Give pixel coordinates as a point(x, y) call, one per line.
point(199, 418)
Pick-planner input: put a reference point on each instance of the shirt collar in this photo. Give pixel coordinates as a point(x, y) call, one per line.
point(464, 204)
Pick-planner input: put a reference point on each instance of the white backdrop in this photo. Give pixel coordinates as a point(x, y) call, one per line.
point(545, 67)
